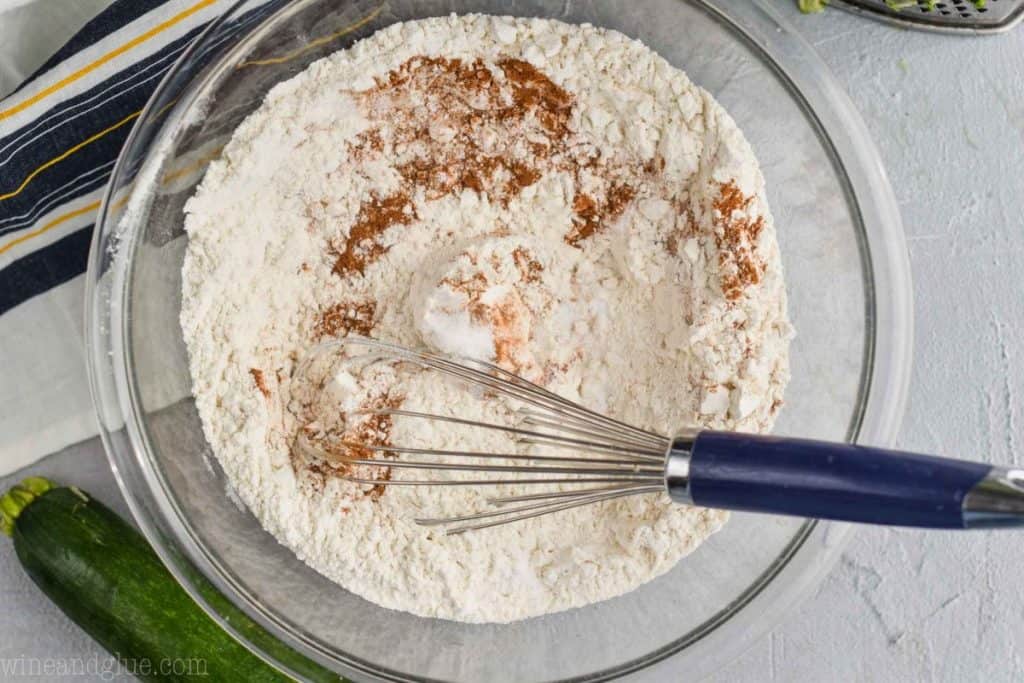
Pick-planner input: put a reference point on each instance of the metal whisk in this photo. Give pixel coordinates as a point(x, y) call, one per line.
point(610, 459)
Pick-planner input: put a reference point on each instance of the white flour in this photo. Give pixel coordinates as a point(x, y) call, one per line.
point(556, 198)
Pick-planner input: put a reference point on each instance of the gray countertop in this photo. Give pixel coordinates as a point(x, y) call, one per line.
point(948, 116)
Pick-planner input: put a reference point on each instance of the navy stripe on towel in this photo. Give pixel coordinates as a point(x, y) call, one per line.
point(40, 151)
point(119, 14)
point(44, 269)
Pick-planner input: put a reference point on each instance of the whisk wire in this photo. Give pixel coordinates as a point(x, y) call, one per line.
point(408, 450)
point(624, 459)
point(495, 482)
point(534, 420)
point(656, 474)
point(526, 435)
point(570, 423)
point(524, 512)
point(498, 379)
point(551, 495)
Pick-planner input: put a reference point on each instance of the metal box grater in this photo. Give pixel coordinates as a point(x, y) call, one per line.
point(949, 16)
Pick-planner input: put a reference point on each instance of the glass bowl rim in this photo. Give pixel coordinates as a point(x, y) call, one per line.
point(806, 558)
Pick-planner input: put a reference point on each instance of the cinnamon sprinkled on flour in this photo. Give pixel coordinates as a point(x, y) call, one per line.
point(343, 318)
point(260, 380)
point(372, 430)
point(591, 216)
point(529, 268)
point(361, 246)
point(736, 235)
point(466, 128)
point(494, 130)
point(375, 430)
point(542, 196)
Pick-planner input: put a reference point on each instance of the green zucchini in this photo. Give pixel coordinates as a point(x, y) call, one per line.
point(103, 575)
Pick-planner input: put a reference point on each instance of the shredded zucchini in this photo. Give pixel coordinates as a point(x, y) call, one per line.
point(811, 6)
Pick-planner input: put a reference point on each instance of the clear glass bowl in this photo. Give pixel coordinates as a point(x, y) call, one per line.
point(849, 289)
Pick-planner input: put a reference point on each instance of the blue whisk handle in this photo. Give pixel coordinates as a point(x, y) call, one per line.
point(841, 482)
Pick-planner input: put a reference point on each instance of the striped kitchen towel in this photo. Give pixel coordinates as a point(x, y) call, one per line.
point(60, 134)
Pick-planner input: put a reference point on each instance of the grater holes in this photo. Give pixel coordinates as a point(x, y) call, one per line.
point(964, 8)
point(945, 14)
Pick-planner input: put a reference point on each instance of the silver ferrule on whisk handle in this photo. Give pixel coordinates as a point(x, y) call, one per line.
point(996, 501)
point(677, 466)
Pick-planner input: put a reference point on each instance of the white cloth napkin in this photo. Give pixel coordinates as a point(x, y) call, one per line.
point(44, 392)
point(32, 30)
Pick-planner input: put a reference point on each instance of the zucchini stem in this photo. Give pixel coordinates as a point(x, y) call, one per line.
point(18, 498)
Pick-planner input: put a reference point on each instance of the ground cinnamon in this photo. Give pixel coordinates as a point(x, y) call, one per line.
point(736, 235)
point(362, 246)
point(346, 317)
point(260, 380)
point(529, 268)
point(590, 216)
point(494, 130)
point(374, 430)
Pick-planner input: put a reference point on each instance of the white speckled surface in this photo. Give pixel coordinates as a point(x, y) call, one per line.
point(948, 116)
